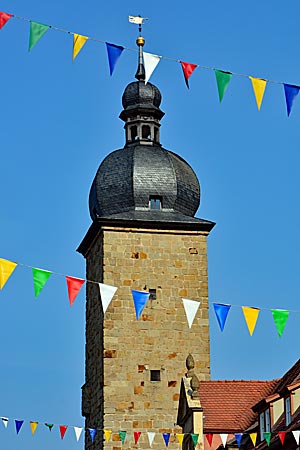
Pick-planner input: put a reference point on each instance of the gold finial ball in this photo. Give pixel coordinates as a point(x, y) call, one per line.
point(140, 41)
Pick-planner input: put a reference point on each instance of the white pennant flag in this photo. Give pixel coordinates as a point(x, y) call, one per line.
point(5, 421)
point(78, 432)
point(224, 437)
point(150, 62)
point(151, 436)
point(106, 293)
point(296, 436)
point(191, 308)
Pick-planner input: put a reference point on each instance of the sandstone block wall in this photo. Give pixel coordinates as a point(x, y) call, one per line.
point(121, 352)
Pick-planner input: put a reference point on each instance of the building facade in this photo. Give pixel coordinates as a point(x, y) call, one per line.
point(143, 236)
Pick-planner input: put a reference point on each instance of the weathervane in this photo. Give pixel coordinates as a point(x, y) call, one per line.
point(137, 20)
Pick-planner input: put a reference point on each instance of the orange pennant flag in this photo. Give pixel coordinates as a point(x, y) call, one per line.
point(251, 316)
point(78, 43)
point(259, 86)
point(6, 269)
point(33, 426)
point(253, 437)
point(74, 286)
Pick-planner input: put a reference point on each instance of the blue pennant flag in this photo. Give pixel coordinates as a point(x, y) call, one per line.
point(221, 313)
point(93, 432)
point(166, 437)
point(238, 437)
point(19, 424)
point(291, 93)
point(113, 53)
point(140, 299)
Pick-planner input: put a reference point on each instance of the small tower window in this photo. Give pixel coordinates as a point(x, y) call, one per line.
point(154, 375)
point(155, 203)
point(133, 131)
point(146, 133)
point(155, 134)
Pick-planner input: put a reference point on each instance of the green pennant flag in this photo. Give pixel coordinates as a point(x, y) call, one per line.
point(223, 79)
point(195, 438)
point(40, 278)
point(122, 435)
point(37, 30)
point(280, 317)
point(267, 437)
point(49, 425)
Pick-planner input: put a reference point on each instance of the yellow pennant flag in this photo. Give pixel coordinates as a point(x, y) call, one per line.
point(251, 316)
point(259, 86)
point(33, 426)
point(180, 437)
point(253, 437)
point(6, 269)
point(107, 434)
point(78, 43)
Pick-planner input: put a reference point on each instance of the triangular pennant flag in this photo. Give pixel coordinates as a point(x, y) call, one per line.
point(37, 30)
point(296, 435)
point(62, 430)
point(180, 437)
point(4, 17)
point(223, 79)
point(139, 299)
point(6, 269)
point(150, 63)
point(253, 437)
point(33, 427)
point(238, 437)
point(40, 278)
point(107, 434)
point(209, 437)
point(280, 317)
point(74, 286)
point(5, 421)
point(191, 308)
point(195, 438)
point(106, 293)
point(113, 52)
point(19, 424)
point(122, 435)
point(136, 435)
point(291, 93)
point(259, 86)
point(267, 437)
point(251, 316)
point(50, 426)
point(281, 435)
point(188, 69)
point(224, 437)
point(151, 436)
point(77, 431)
point(93, 432)
point(221, 313)
point(166, 437)
point(78, 43)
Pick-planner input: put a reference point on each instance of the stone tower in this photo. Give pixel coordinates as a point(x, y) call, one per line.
point(143, 236)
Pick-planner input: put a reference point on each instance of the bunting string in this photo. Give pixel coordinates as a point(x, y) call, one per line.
point(167, 437)
point(37, 30)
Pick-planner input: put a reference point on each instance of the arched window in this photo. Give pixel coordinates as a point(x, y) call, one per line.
point(156, 134)
point(146, 132)
point(133, 132)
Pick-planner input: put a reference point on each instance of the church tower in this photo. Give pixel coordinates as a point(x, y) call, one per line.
point(143, 236)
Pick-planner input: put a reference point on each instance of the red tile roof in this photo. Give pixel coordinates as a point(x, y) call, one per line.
point(227, 404)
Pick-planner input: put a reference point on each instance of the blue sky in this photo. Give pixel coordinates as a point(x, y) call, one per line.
point(59, 120)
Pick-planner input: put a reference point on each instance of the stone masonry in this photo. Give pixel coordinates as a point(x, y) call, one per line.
point(122, 352)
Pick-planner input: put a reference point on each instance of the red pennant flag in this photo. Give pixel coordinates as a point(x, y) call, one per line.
point(62, 429)
point(188, 69)
point(136, 435)
point(4, 17)
point(281, 435)
point(209, 438)
point(74, 286)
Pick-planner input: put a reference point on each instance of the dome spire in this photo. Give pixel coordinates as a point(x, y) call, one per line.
point(140, 73)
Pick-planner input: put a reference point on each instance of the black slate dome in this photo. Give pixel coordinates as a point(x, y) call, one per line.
point(128, 178)
point(139, 93)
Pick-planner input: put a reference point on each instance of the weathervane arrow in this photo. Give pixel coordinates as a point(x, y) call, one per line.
point(138, 20)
